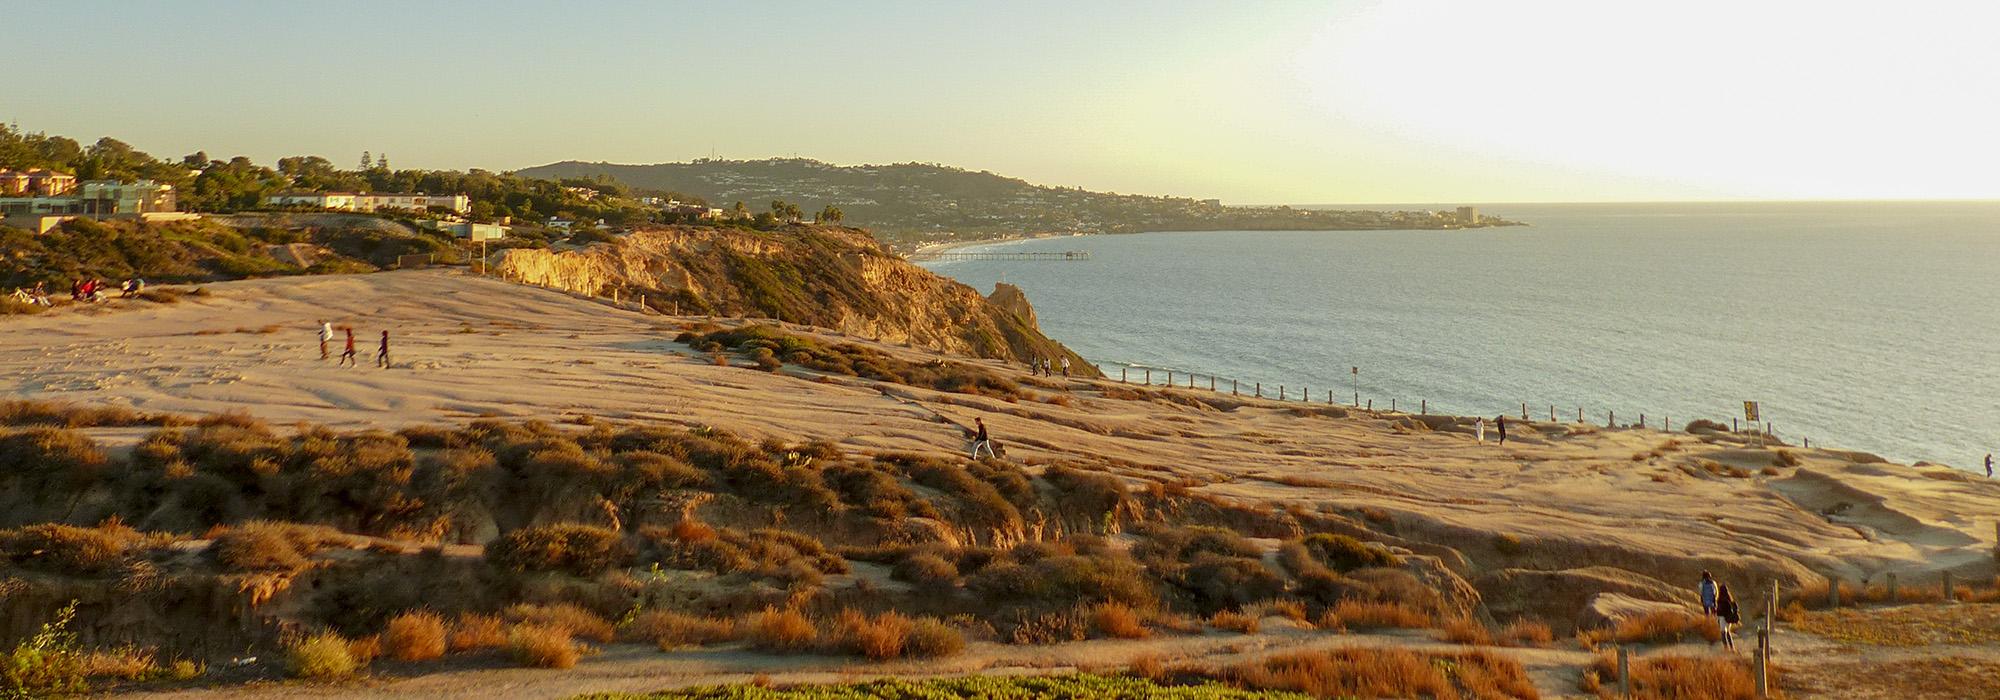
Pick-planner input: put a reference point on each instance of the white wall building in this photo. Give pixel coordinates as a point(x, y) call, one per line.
point(372, 201)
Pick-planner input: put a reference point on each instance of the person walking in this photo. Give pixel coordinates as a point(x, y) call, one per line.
point(1065, 363)
point(347, 358)
point(325, 339)
point(382, 354)
point(1989, 465)
point(1479, 430)
point(1501, 423)
point(1726, 615)
point(981, 440)
point(1707, 591)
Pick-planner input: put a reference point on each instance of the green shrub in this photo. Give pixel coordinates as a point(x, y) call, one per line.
point(324, 656)
point(46, 664)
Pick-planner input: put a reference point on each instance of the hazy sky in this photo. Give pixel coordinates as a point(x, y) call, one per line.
point(1310, 102)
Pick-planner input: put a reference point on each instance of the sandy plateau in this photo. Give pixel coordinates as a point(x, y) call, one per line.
point(1564, 501)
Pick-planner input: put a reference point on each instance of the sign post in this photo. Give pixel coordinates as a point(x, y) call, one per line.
point(1356, 371)
point(1750, 416)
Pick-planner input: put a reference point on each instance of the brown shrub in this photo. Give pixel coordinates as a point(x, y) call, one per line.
point(472, 631)
point(542, 646)
point(415, 636)
point(880, 637)
point(365, 649)
point(572, 620)
point(1366, 615)
point(1117, 620)
point(263, 545)
point(671, 630)
point(931, 638)
point(580, 550)
point(927, 571)
point(1235, 621)
point(70, 550)
point(782, 630)
point(1788, 458)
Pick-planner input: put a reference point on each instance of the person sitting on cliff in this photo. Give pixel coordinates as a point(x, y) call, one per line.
point(981, 440)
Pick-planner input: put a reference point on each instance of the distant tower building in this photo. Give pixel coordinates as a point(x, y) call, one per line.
point(1468, 215)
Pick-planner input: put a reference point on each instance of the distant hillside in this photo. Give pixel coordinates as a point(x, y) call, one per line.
point(914, 200)
point(825, 276)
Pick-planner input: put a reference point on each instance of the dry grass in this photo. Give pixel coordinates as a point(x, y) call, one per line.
point(365, 649)
point(1233, 621)
point(542, 646)
point(324, 656)
point(1527, 633)
point(1679, 678)
point(1972, 624)
point(1118, 620)
point(673, 630)
point(471, 632)
point(1385, 673)
point(571, 619)
point(1357, 614)
point(1658, 627)
point(415, 636)
point(1467, 631)
point(782, 630)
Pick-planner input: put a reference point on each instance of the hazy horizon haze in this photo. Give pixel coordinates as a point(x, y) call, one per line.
point(1251, 103)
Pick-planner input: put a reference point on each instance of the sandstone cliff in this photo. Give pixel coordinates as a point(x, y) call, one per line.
point(830, 277)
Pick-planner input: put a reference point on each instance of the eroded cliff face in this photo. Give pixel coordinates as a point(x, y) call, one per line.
point(829, 277)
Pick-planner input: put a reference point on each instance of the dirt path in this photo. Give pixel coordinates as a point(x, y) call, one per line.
point(634, 668)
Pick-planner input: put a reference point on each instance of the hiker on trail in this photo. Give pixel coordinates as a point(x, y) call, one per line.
point(382, 355)
point(1726, 615)
point(1065, 363)
point(1707, 590)
point(131, 288)
point(347, 358)
point(1479, 430)
point(325, 338)
point(980, 439)
point(1501, 423)
point(1989, 462)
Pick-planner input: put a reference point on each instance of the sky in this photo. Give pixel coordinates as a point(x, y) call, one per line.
point(1253, 102)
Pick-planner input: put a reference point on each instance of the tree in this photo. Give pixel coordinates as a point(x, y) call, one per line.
point(738, 211)
point(196, 160)
point(382, 162)
point(830, 215)
point(366, 160)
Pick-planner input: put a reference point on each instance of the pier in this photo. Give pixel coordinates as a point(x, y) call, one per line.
point(1045, 256)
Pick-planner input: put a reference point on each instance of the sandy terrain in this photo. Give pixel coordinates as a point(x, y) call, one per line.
point(1557, 496)
point(463, 347)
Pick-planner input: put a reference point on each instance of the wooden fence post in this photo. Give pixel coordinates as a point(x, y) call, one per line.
point(1281, 392)
point(1170, 378)
point(1949, 598)
point(1524, 410)
point(1371, 404)
point(1232, 388)
point(1392, 404)
point(1763, 662)
point(1121, 374)
point(1424, 409)
point(1892, 588)
point(1260, 390)
point(1610, 419)
point(1552, 413)
point(1149, 376)
point(1579, 414)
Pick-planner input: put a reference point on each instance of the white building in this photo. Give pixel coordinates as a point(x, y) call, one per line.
point(372, 201)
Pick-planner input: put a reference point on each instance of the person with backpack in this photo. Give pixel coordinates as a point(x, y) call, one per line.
point(981, 440)
point(382, 355)
point(1726, 615)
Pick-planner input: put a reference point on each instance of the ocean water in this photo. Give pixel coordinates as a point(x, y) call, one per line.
point(1867, 326)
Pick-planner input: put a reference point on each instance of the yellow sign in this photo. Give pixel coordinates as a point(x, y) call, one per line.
point(1750, 411)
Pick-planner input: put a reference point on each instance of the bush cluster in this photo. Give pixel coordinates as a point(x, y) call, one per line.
point(768, 347)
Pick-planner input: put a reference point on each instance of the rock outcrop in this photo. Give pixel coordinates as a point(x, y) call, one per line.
point(829, 277)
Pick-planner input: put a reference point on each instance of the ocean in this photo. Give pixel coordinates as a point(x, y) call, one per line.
point(1865, 326)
